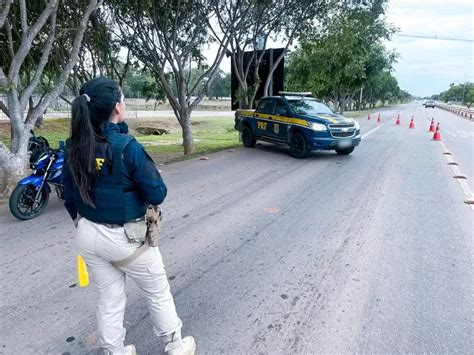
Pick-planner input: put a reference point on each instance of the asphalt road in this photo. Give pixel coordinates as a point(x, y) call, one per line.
point(367, 253)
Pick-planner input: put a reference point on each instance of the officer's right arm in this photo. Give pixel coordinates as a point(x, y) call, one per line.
point(145, 174)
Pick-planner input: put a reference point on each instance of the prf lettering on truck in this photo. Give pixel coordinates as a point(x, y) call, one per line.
point(261, 125)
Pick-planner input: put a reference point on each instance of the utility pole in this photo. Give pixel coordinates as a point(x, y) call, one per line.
point(463, 92)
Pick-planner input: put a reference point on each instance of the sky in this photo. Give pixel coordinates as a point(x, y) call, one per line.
point(428, 66)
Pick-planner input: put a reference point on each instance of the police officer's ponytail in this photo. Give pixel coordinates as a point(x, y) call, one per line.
point(90, 110)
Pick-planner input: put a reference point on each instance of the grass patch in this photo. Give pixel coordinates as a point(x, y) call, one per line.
point(210, 135)
point(356, 114)
point(54, 130)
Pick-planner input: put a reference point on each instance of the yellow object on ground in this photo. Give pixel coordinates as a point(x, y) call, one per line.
point(82, 274)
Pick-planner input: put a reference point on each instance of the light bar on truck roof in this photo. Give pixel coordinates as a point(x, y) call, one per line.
point(288, 93)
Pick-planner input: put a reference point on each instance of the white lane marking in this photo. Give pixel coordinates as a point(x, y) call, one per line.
point(467, 190)
point(456, 170)
point(450, 158)
point(370, 132)
point(462, 182)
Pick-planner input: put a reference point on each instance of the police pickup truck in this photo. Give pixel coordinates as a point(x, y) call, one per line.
point(302, 122)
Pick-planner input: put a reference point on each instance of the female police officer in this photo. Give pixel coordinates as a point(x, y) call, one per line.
point(109, 180)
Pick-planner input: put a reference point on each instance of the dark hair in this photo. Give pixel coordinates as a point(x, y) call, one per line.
point(94, 105)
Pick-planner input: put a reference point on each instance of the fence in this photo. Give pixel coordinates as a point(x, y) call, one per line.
point(58, 108)
point(461, 111)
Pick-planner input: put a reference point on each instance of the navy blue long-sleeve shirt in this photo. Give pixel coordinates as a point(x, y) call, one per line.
point(139, 171)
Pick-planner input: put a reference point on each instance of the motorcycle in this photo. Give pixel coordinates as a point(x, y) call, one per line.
point(31, 195)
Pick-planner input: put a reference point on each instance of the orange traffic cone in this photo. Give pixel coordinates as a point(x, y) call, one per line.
point(437, 135)
point(412, 123)
point(432, 126)
point(398, 121)
point(368, 117)
point(379, 119)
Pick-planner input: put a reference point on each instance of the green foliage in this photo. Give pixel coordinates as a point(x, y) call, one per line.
point(98, 52)
point(345, 56)
point(141, 83)
point(463, 93)
point(220, 86)
point(211, 135)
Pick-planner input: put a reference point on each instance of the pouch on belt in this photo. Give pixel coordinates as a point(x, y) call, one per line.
point(147, 230)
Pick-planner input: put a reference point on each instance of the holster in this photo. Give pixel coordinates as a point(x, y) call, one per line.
point(147, 230)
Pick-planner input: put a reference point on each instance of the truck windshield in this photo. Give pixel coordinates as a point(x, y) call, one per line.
point(308, 107)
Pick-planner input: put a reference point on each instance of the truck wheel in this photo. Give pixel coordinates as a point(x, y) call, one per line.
point(345, 151)
point(248, 139)
point(298, 147)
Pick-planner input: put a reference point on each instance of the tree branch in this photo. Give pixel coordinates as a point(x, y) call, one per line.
point(23, 18)
point(23, 50)
point(8, 30)
point(65, 99)
point(3, 78)
point(93, 5)
point(4, 108)
point(5, 11)
point(42, 63)
point(5, 154)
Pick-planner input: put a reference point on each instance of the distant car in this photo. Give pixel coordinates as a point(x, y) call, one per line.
point(429, 103)
point(450, 103)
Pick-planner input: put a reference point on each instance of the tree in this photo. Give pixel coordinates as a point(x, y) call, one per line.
point(463, 93)
point(259, 22)
point(98, 55)
point(220, 86)
point(336, 62)
point(167, 36)
point(29, 31)
point(141, 82)
point(299, 17)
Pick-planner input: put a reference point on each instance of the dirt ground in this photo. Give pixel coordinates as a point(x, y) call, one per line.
point(4, 129)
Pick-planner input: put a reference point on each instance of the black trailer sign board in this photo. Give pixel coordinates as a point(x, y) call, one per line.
point(277, 84)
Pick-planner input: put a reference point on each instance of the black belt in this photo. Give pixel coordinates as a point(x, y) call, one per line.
point(108, 225)
point(112, 225)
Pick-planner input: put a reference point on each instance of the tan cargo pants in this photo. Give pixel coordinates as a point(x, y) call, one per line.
point(99, 245)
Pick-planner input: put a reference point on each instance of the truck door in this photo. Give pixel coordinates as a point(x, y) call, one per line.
point(280, 114)
point(263, 116)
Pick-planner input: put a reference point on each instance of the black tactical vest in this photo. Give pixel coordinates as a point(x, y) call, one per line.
point(114, 204)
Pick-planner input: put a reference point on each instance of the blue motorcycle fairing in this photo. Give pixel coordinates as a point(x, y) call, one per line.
point(55, 178)
point(33, 180)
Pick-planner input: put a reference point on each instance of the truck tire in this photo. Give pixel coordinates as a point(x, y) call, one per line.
point(346, 151)
point(298, 146)
point(248, 139)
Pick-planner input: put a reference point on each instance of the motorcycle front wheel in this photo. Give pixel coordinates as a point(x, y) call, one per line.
point(22, 201)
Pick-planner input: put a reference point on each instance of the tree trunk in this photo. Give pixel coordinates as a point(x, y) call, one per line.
point(13, 164)
point(342, 103)
point(242, 96)
point(13, 171)
point(188, 143)
point(39, 121)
